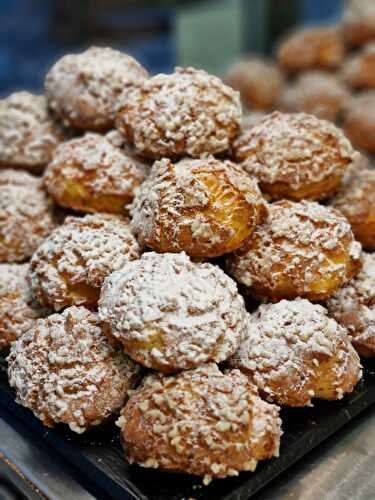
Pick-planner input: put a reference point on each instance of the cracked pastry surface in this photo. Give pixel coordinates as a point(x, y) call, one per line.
point(205, 207)
point(65, 371)
point(353, 306)
point(258, 82)
point(85, 90)
point(26, 215)
point(296, 156)
point(311, 48)
point(202, 422)
point(303, 249)
point(170, 313)
point(186, 113)
point(91, 175)
point(28, 135)
point(294, 352)
point(18, 311)
point(356, 201)
point(70, 266)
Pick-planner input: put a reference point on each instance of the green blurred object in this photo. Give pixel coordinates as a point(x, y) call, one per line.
point(209, 35)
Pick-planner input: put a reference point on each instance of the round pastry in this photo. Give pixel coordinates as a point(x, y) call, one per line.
point(294, 352)
point(302, 250)
point(359, 71)
point(318, 93)
point(85, 90)
point(65, 371)
point(359, 122)
point(311, 48)
point(26, 215)
point(357, 202)
point(170, 313)
point(28, 135)
point(205, 207)
point(18, 311)
point(92, 175)
point(353, 306)
point(296, 156)
point(186, 113)
point(202, 422)
point(70, 266)
point(258, 82)
point(358, 23)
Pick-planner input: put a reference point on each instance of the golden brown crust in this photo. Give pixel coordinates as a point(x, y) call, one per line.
point(91, 175)
point(303, 249)
point(357, 202)
point(186, 113)
point(354, 307)
point(85, 90)
point(204, 207)
point(70, 266)
point(295, 156)
point(258, 82)
point(359, 70)
point(26, 215)
point(359, 121)
point(311, 48)
point(294, 352)
point(358, 23)
point(65, 370)
point(202, 422)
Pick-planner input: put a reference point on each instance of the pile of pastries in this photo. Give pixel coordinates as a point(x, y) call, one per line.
point(176, 269)
point(327, 71)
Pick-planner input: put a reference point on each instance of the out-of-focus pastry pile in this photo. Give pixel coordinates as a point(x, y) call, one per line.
point(180, 267)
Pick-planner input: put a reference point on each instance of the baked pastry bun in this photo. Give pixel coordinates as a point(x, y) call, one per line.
point(186, 113)
point(18, 311)
point(205, 207)
point(353, 306)
point(358, 23)
point(359, 70)
point(201, 422)
point(318, 93)
point(356, 201)
point(258, 82)
point(302, 250)
point(91, 175)
point(65, 371)
point(294, 352)
point(28, 135)
point(318, 47)
point(85, 90)
point(295, 156)
point(171, 314)
point(359, 121)
point(26, 215)
point(70, 266)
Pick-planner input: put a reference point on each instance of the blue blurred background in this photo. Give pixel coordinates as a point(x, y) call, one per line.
point(35, 33)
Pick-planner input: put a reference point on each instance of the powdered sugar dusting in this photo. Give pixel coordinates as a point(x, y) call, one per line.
point(186, 113)
point(80, 253)
point(65, 370)
point(170, 313)
point(286, 347)
point(202, 422)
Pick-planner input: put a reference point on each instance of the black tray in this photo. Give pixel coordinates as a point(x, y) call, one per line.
point(98, 454)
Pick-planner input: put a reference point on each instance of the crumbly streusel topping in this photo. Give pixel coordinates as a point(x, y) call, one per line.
point(188, 112)
point(65, 370)
point(202, 422)
point(173, 313)
point(294, 148)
